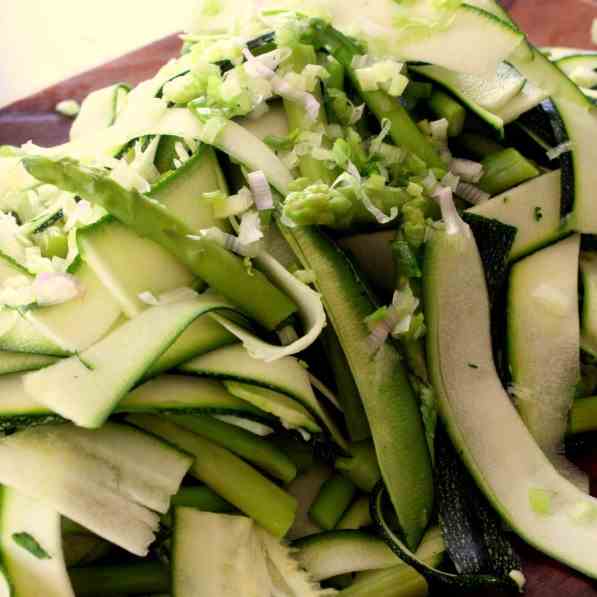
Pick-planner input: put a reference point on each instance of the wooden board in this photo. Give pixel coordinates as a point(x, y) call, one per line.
point(547, 22)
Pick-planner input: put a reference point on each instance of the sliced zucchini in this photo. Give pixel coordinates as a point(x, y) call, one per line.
point(381, 272)
point(396, 425)
point(529, 97)
point(16, 333)
point(99, 110)
point(479, 42)
point(482, 95)
point(100, 481)
point(499, 451)
point(202, 336)
point(18, 362)
point(167, 394)
point(579, 119)
point(31, 547)
point(580, 67)
point(181, 190)
point(230, 565)
point(233, 363)
point(77, 324)
point(588, 270)
point(533, 208)
point(292, 414)
point(128, 265)
point(178, 394)
point(338, 552)
point(104, 373)
point(544, 342)
point(273, 123)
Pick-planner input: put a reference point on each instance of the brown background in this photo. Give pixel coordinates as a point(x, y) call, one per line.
point(547, 22)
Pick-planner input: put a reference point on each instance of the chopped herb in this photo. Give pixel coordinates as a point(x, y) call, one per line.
point(538, 214)
point(26, 541)
point(473, 366)
point(68, 108)
point(506, 198)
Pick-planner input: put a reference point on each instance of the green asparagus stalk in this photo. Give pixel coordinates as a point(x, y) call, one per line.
point(334, 498)
point(224, 272)
point(444, 106)
point(229, 476)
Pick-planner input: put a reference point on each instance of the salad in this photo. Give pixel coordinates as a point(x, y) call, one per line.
point(301, 316)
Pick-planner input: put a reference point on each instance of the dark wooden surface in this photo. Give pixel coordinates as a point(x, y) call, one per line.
point(547, 22)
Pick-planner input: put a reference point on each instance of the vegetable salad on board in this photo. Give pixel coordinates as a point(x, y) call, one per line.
point(300, 315)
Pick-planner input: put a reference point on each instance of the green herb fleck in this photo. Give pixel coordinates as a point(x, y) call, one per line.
point(473, 366)
point(538, 214)
point(506, 198)
point(26, 541)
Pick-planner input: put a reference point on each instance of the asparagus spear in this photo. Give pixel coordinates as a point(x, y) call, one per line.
point(223, 271)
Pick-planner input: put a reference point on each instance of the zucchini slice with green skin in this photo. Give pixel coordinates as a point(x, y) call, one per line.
point(112, 474)
point(108, 370)
point(181, 191)
point(580, 67)
point(533, 208)
point(473, 533)
point(483, 96)
point(229, 476)
point(292, 414)
point(99, 110)
point(400, 580)
point(579, 118)
point(31, 547)
point(494, 240)
point(128, 264)
point(202, 336)
point(232, 562)
point(166, 394)
point(483, 423)
point(382, 273)
point(338, 552)
point(348, 393)
point(435, 577)
point(18, 362)
point(389, 401)
point(588, 271)
point(55, 330)
point(287, 376)
point(544, 345)
point(96, 308)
